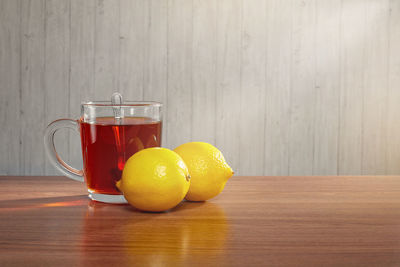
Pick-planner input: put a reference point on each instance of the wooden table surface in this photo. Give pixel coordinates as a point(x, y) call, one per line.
point(256, 221)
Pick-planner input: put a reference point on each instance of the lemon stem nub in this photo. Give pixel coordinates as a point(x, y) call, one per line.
point(188, 177)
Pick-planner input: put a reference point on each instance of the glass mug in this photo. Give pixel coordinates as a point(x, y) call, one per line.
point(110, 134)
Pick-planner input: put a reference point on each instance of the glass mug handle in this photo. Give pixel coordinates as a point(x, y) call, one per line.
point(51, 149)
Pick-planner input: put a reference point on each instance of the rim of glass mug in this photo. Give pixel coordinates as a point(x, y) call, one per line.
point(124, 104)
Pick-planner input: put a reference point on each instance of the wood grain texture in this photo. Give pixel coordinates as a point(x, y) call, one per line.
point(279, 221)
point(393, 118)
point(229, 21)
point(303, 88)
point(252, 88)
point(156, 43)
point(376, 88)
point(327, 87)
point(133, 23)
point(204, 65)
point(281, 87)
point(10, 85)
point(179, 81)
point(353, 28)
point(57, 74)
point(278, 86)
point(33, 89)
point(106, 48)
point(82, 68)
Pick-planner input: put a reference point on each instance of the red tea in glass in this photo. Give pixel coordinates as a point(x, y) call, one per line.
point(111, 132)
point(107, 144)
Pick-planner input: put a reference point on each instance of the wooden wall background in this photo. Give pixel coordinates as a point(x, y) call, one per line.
point(282, 87)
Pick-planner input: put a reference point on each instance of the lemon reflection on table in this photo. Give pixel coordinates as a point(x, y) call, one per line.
point(193, 231)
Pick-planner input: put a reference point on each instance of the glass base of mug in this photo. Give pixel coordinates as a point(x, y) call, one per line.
point(115, 199)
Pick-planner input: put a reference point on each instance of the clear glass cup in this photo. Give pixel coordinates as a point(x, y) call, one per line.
point(110, 134)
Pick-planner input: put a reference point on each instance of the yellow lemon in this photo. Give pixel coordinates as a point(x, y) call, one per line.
point(208, 170)
point(154, 179)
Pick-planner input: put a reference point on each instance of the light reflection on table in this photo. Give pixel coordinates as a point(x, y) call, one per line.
point(191, 231)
